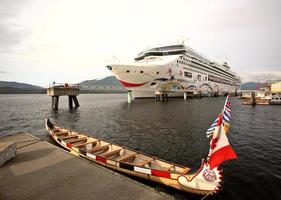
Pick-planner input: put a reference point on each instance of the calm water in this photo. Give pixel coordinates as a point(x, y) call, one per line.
point(173, 130)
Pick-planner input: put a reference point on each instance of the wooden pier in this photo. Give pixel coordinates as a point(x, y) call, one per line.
point(56, 90)
point(254, 97)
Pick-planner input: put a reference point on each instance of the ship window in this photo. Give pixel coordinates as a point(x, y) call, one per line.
point(141, 71)
point(188, 74)
point(128, 71)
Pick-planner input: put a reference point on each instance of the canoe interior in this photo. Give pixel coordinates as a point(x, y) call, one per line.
point(115, 152)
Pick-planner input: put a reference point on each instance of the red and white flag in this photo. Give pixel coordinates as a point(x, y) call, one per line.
point(220, 149)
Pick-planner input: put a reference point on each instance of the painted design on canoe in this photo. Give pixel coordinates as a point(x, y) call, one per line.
point(204, 181)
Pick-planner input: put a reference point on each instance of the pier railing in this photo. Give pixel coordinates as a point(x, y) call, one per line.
point(63, 85)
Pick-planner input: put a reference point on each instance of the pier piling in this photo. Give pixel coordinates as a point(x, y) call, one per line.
point(55, 102)
point(253, 95)
point(130, 96)
point(76, 103)
point(70, 102)
point(161, 96)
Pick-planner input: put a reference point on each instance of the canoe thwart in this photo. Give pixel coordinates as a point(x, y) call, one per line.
point(99, 148)
point(141, 164)
point(69, 136)
point(111, 153)
point(86, 143)
point(127, 157)
point(61, 133)
point(72, 141)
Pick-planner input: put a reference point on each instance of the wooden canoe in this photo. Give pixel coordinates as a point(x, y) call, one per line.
point(204, 181)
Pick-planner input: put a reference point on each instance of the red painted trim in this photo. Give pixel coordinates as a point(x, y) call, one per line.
point(221, 155)
point(126, 84)
point(160, 173)
point(101, 159)
point(69, 145)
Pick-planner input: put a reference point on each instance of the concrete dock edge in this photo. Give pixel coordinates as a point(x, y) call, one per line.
point(7, 152)
point(42, 170)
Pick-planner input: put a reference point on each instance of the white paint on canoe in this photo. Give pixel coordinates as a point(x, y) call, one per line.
point(142, 170)
point(63, 143)
point(91, 156)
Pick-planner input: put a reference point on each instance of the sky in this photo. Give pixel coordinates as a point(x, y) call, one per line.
point(73, 40)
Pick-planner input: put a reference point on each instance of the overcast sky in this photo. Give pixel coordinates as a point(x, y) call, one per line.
point(42, 41)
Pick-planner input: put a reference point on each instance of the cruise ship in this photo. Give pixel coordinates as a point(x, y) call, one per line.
point(175, 68)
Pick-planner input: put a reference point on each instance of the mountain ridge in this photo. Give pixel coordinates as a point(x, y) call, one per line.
point(107, 81)
point(12, 87)
point(18, 85)
point(11, 90)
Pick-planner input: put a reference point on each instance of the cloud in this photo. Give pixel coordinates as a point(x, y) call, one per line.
point(245, 14)
point(261, 76)
point(10, 37)
point(11, 33)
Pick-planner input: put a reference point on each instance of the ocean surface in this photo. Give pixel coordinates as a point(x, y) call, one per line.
point(173, 130)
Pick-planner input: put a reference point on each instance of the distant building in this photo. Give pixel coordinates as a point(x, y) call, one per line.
point(276, 87)
point(276, 93)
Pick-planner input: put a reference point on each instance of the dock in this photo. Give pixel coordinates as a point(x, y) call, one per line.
point(41, 170)
point(56, 90)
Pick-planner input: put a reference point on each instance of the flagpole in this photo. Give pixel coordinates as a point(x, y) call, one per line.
point(225, 102)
